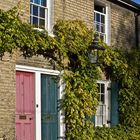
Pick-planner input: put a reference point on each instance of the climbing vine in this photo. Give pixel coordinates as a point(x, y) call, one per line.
point(124, 67)
point(69, 50)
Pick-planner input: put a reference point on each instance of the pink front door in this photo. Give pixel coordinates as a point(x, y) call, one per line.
point(25, 109)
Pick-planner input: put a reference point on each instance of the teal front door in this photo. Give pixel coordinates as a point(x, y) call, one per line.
point(49, 113)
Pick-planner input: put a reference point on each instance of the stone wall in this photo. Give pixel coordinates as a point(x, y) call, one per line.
point(23, 6)
point(7, 97)
point(122, 27)
point(35, 61)
point(75, 9)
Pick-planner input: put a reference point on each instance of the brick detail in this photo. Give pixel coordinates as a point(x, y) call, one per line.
point(122, 27)
point(75, 9)
point(24, 7)
point(35, 61)
point(7, 97)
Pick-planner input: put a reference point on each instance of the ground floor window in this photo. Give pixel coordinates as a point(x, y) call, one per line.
point(102, 116)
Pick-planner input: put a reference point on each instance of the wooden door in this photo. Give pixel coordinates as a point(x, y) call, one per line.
point(25, 110)
point(49, 117)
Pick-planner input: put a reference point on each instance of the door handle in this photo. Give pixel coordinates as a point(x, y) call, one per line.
point(30, 119)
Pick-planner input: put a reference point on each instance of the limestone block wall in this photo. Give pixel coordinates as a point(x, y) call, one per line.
point(75, 9)
point(7, 97)
point(23, 6)
point(122, 27)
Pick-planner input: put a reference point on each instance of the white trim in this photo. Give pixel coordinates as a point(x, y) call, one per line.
point(38, 105)
point(35, 69)
point(99, 12)
point(127, 4)
point(49, 2)
point(107, 26)
point(107, 20)
point(38, 72)
point(48, 15)
point(61, 115)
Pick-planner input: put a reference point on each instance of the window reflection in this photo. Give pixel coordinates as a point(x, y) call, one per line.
point(38, 13)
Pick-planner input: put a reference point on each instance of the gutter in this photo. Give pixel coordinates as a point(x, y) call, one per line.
point(135, 7)
point(128, 4)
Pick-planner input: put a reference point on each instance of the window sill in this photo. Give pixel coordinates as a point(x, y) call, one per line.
point(42, 30)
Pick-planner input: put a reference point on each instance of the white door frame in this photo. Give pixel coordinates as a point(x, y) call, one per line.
point(38, 72)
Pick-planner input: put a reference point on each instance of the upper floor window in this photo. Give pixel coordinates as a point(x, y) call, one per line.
point(99, 21)
point(39, 13)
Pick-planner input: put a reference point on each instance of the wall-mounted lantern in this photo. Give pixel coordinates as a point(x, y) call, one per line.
point(94, 50)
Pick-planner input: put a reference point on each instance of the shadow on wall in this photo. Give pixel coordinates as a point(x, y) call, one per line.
point(123, 29)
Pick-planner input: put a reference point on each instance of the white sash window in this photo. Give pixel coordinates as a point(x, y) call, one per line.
point(101, 21)
point(102, 116)
point(39, 13)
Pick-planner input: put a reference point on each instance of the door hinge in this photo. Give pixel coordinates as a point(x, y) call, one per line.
point(108, 88)
point(108, 121)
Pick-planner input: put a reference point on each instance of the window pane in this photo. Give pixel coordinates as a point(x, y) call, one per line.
point(42, 12)
point(97, 27)
point(102, 98)
point(35, 21)
point(102, 88)
point(42, 23)
point(43, 3)
point(102, 19)
point(97, 17)
point(99, 97)
point(103, 29)
point(35, 10)
point(99, 8)
point(99, 120)
point(101, 109)
point(102, 37)
point(37, 1)
point(31, 0)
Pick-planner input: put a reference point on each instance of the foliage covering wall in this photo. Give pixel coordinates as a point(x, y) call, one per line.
point(69, 50)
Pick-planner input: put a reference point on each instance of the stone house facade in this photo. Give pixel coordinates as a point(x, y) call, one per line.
point(117, 22)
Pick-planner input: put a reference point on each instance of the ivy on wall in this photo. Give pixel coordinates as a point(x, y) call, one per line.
point(125, 68)
point(69, 49)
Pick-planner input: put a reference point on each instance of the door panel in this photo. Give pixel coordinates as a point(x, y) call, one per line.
point(49, 118)
point(114, 103)
point(25, 110)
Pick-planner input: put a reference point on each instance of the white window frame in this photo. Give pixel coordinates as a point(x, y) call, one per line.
point(100, 24)
point(107, 20)
point(38, 72)
point(107, 104)
point(48, 15)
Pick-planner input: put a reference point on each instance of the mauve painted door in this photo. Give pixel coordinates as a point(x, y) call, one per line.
point(49, 111)
point(25, 109)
